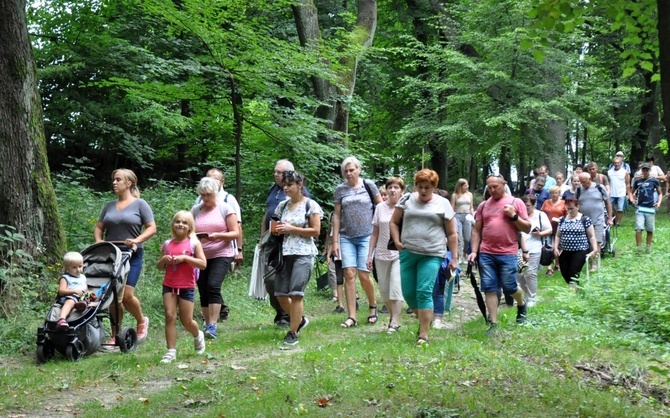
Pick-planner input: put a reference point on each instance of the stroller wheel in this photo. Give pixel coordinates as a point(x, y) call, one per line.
point(127, 339)
point(75, 351)
point(45, 351)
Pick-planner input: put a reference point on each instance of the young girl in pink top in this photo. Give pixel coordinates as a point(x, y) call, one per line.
point(182, 255)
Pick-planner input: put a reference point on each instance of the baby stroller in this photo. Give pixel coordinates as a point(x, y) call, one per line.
point(106, 268)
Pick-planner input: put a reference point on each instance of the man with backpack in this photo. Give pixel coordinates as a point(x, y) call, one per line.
point(591, 197)
point(642, 196)
point(596, 177)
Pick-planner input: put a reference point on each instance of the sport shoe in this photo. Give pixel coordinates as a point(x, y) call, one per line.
point(80, 306)
point(521, 312)
point(143, 329)
point(199, 343)
point(291, 339)
point(210, 331)
point(169, 357)
point(438, 323)
point(384, 310)
point(282, 323)
point(493, 328)
point(303, 324)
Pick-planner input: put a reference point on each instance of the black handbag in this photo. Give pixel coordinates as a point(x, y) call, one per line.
point(547, 253)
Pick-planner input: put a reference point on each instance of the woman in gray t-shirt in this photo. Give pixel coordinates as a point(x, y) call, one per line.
point(122, 220)
point(355, 200)
point(428, 225)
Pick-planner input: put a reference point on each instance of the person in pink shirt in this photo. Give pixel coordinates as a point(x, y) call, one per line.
point(216, 226)
point(495, 245)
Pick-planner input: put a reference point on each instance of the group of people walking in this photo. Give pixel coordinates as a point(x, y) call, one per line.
point(404, 238)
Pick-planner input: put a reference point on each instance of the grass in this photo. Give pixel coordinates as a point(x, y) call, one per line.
point(581, 355)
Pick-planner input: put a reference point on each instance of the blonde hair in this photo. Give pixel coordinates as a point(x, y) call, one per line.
point(349, 160)
point(72, 257)
point(128, 175)
point(459, 186)
point(188, 217)
point(553, 189)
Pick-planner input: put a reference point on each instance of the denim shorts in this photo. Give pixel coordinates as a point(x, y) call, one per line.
point(186, 294)
point(498, 271)
point(354, 252)
point(617, 203)
point(135, 266)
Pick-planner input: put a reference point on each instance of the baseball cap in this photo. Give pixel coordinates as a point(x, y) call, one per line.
point(646, 165)
point(619, 154)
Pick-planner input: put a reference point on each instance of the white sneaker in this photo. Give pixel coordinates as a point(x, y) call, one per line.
point(531, 302)
point(438, 323)
point(169, 357)
point(199, 343)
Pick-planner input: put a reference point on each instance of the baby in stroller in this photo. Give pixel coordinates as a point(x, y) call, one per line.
point(72, 288)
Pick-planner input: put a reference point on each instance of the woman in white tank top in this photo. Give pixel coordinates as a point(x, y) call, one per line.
point(462, 202)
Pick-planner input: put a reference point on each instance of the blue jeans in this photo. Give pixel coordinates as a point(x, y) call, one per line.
point(498, 271)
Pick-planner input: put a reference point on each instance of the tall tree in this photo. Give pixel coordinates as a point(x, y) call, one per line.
point(27, 198)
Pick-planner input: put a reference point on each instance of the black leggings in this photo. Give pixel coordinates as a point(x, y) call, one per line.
point(211, 279)
point(571, 263)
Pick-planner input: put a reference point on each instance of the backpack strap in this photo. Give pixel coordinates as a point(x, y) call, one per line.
point(369, 190)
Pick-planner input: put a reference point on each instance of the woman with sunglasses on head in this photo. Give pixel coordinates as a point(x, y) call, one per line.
point(355, 200)
point(299, 223)
point(575, 239)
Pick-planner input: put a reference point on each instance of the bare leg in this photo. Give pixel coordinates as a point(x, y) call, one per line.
point(492, 306)
point(186, 316)
point(350, 290)
point(425, 318)
point(132, 304)
point(170, 306)
point(368, 286)
point(296, 312)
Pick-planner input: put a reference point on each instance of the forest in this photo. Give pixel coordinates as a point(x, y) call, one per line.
point(170, 88)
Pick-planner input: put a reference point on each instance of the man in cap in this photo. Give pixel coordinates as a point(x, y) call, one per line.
point(643, 194)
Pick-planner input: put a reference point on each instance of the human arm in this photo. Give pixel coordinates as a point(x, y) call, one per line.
point(472, 207)
point(557, 240)
point(98, 231)
point(521, 224)
point(452, 241)
point(394, 227)
point(233, 230)
point(660, 197)
point(608, 207)
point(591, 235)
point(64, 291)
point(524, 248)
point(371, 248)
point(313, 230)
point(148, 232)
point(337, 212)
point(475, 240)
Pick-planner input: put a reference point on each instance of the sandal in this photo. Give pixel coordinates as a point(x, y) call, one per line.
point(422, 342)
point(372, 319)
point(392, 329)
point(62, 324)
point(346, 323)
point(550, 272)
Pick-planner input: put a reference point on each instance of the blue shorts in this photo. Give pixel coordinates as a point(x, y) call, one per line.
point(617, 203)
point(354, 252)
point(498, 271)
point(135, 266)
point(186, 294)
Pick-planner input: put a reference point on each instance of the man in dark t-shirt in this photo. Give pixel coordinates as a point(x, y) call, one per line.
point(642, 194)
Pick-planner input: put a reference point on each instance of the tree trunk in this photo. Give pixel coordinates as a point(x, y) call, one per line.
point(238, 126)
point(360, 38)
point(648, 113)
point(27, 199)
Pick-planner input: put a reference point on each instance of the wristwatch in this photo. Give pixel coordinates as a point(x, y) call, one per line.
point(515, 217)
